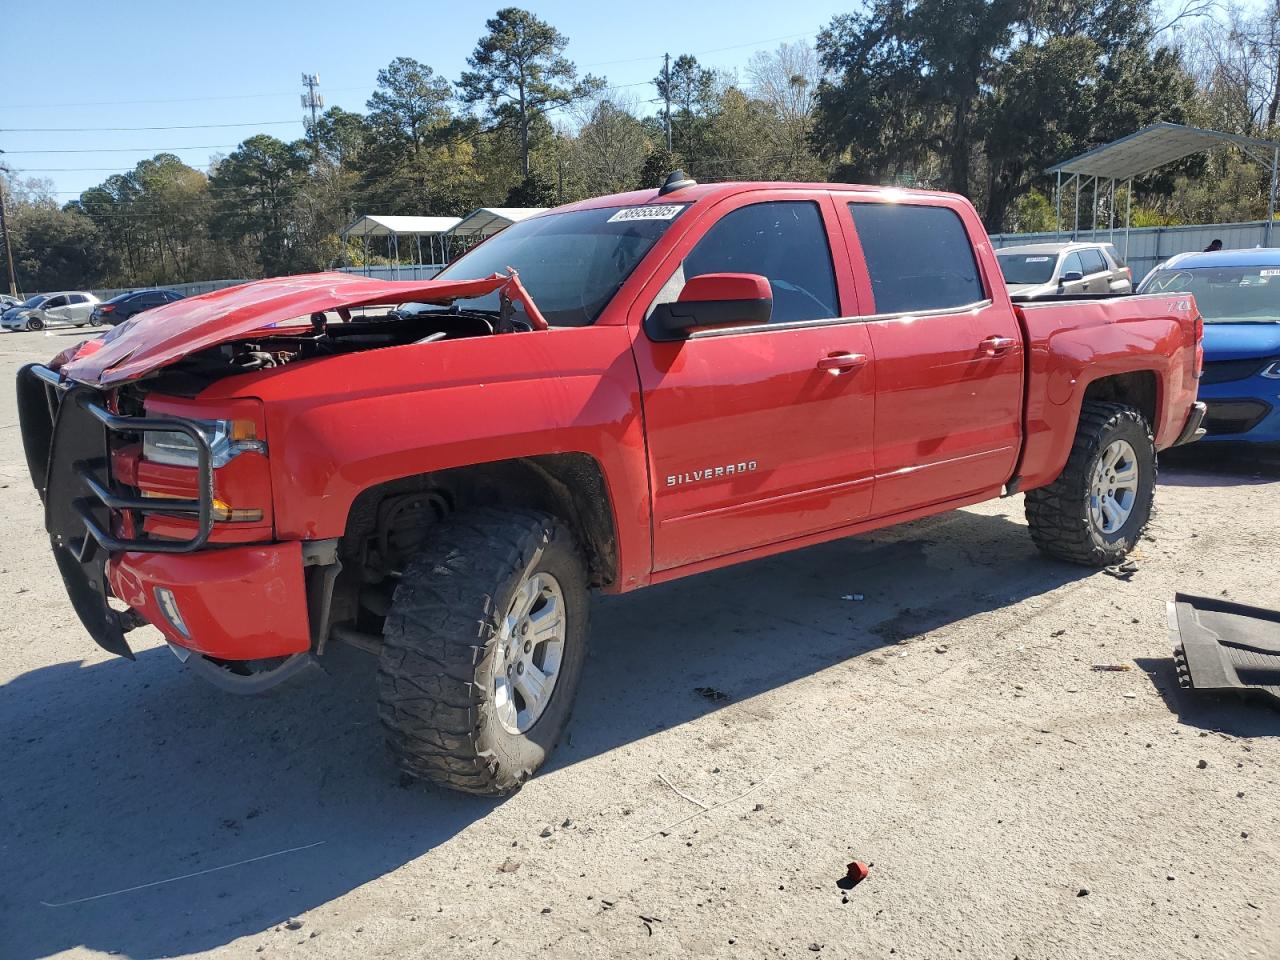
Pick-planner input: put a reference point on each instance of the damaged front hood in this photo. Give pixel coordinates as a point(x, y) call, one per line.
point(166, 334)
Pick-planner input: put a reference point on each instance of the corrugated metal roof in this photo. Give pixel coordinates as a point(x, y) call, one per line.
point(489, 220)
point(1149, 148)
point(385, 226)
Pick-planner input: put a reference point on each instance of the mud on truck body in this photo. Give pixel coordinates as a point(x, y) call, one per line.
point(617, 393)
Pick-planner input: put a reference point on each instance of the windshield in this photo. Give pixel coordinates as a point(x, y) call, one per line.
point(1027, 267)
point(571, 263)
point(35, 301)
point(1224, 294)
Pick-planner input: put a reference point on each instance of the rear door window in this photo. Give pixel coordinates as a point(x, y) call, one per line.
point(785, 241)
point(1093, 262)
point(918, 257)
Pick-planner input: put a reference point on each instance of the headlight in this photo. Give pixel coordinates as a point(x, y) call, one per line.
point(227, 439)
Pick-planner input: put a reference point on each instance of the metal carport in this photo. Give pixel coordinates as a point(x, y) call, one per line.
point(1144, 151)
point(436, 229)
point(487, 221)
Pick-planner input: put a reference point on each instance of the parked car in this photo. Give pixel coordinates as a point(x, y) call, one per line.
point(443, 490)
point(51, 309)
point(1238, 293)
point(1036, 270)
point(7, 301)
point(125, 305)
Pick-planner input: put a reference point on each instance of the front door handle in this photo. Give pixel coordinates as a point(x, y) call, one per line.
point(997, 346)
point(838, 363)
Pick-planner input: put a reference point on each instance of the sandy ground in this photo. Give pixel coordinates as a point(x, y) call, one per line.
point(947, 729)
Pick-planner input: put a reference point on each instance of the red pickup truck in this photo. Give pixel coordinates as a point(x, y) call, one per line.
point(613, 394)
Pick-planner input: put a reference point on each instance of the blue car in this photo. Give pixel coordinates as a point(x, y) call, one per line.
point(1238, 293)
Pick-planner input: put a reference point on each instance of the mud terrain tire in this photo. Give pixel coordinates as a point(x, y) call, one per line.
point(1063, 521)
point(447, 681)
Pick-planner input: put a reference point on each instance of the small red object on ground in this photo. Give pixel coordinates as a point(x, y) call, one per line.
point(857, 873)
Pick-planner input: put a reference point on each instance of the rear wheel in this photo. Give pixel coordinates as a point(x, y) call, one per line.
point(483, 648)
point(1095, 511)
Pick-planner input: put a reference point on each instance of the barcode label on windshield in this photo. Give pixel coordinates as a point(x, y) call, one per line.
point(1037, 259)
point(653, 212)
point(1269, 273)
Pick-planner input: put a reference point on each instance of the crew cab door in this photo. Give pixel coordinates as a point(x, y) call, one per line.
point(949, 355)
point(758, 433)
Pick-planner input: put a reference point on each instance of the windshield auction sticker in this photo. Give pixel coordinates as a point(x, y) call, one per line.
point(652, 212)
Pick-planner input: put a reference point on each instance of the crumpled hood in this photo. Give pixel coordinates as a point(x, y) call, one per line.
point(163, 335)
point(1241, 341)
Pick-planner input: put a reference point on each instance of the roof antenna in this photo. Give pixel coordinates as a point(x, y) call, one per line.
point(678, 180)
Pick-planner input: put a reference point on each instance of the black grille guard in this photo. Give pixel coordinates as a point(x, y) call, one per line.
point(65, 432)
point(61, 393)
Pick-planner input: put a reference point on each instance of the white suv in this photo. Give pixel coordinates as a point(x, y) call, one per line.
point(45, 309)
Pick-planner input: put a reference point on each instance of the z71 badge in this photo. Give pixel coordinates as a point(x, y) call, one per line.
point(711, 473)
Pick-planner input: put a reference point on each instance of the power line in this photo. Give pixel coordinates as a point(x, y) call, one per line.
point(187, 126)
point(205, 146)
point(130, 103)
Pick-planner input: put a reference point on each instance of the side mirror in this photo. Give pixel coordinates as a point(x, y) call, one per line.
point(713, 300)
point(1072, 276)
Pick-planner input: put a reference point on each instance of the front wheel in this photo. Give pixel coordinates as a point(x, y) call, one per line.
point(483, 648)
point(35, 323)
point(1095, 511)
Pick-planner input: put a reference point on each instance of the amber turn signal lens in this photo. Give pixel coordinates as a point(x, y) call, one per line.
point(242, 430)
point(224, 512)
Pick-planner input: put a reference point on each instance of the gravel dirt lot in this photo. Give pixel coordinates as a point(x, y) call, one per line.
point(947, 729)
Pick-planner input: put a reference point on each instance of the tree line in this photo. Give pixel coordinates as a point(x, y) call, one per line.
point(973, 96)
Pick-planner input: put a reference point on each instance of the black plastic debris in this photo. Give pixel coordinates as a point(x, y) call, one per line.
point(1225, 647)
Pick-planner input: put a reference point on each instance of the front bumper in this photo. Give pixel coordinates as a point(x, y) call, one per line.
point(1245, 410)
point(241, 603)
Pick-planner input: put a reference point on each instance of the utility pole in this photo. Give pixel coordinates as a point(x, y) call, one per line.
point(4, 234)
point(313, 101)
point(666, 95)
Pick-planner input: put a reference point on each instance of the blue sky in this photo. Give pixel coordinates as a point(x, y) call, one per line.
point(93, 64)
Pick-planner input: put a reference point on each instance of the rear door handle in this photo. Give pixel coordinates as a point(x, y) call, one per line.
point(997, 346)
point(838, 363)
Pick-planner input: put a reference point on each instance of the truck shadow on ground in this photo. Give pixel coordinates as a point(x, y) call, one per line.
point(120, 776)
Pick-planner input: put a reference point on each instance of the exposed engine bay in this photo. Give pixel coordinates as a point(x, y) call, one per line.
point(329, 334)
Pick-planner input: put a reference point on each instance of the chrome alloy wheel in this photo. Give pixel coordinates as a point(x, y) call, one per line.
point(530, 646)
point(1113, 489)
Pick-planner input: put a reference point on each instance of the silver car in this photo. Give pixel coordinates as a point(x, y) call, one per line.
point(1055, 269)
point(49, 309)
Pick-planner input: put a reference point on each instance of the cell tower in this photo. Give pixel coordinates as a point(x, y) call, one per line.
point(312, 101)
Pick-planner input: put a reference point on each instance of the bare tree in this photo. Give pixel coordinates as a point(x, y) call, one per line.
point(611, 144)
point(1236, 62)
point(786, 80)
